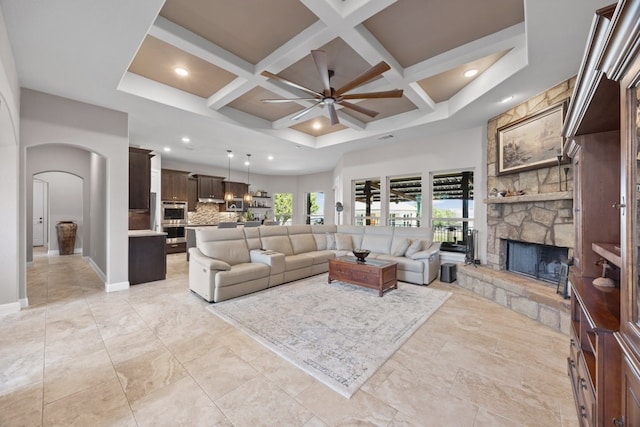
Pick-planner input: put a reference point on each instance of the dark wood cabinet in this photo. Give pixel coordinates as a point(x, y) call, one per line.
point(139, 178)
point(147, 258)
point(175, 185)
point(192, 199)
point(210, 187)
point(237, 188)
point(602, 129)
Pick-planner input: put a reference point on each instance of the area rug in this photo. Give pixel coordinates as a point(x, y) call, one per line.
point(338, 333)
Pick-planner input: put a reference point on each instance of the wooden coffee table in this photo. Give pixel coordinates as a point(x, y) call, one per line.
point(374, 274)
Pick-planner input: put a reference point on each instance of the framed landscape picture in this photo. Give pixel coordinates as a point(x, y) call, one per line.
point(532, 142)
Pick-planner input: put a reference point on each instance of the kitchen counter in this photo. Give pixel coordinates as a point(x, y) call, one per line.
point(145, 233)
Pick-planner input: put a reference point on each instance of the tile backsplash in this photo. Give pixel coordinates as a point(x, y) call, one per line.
point(209, 213)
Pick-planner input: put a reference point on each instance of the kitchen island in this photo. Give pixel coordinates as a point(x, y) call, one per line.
point(147, 256)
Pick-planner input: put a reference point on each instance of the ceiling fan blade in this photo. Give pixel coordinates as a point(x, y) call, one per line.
point(320, 58)
point(359, 109)
point(333, 116)
point(371, 73)
point(305, 111)
point(396, 93)
point(277, 101)
point(292, 84)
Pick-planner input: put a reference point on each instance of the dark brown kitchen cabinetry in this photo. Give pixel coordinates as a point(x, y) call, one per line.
point(210, 187)
point(192, 199)
point(175, 186)
point(147, 257)
point(239, 189)
point(139, 178)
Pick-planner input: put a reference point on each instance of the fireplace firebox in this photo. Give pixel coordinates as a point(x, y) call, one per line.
point(534, 260)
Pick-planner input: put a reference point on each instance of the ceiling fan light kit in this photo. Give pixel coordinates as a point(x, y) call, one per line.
point(329, 96)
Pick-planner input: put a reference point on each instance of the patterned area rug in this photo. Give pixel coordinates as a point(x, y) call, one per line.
point(338, 333)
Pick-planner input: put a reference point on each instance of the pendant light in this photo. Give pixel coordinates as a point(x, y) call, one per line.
point(247, 196)
point(228, 194)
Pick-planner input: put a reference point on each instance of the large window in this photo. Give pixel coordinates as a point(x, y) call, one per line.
point(452, 209)
point(405, 201)
point(366, 202)
point(283, 207)
point(314, 208)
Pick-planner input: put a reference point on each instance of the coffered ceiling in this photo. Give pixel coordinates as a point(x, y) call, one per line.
point(123, 55)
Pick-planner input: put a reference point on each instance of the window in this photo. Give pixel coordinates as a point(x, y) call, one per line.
point(283, 207)
point(314, 208)
point(452, 209)
point(366, 202)
point(405, 201)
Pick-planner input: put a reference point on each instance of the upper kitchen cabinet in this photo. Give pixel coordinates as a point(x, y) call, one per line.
point(175, 185)
point(210, 187)
point(192, 200)
point(139, 178)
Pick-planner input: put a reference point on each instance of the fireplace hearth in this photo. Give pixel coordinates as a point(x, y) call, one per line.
point(534, 260)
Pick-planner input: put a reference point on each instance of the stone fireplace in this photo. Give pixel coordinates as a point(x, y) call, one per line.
point(541, 262)
point(540, 214)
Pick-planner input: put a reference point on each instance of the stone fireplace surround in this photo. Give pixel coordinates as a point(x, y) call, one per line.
point(543, 215)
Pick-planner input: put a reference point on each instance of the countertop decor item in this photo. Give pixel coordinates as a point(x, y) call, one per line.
point(361, 254)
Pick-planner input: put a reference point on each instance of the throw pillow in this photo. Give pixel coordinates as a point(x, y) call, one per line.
point(331, 240)
point(414, 247)
point(344, 242)
point(400, 247)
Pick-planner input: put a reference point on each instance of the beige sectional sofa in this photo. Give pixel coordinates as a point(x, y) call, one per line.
point(227, 263)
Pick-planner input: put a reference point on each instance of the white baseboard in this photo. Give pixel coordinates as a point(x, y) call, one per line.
point(24, 302)
point(95, 267)
point(12, 307)
point(113, 287)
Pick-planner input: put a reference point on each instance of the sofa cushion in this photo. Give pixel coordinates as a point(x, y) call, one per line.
point(241, 273)
point(400, 246)
point(280, 244)
point(295, 262)
point(330, 239)
point(302, 243)
point(252, 235)
point(404, 263)
point(379, 243)
point(320, 234)
point(344, 242)
point(228, 245)
point(321, 257)
point(414, 247)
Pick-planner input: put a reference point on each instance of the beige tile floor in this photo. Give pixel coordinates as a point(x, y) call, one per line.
point(152, 355)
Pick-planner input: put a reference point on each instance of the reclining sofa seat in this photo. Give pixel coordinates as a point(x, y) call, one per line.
point(221, 267)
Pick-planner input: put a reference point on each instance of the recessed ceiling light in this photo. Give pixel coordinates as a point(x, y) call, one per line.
point(269, 157)
point(167, 149)
point(470, 73)
point(507, 99)
point(181, 71)
point(317, 125)
point(186, 139)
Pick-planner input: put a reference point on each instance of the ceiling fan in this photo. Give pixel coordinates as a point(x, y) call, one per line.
point(329, 96)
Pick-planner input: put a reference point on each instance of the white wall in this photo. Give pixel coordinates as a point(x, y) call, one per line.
point(48, 119)
point(65, 204)
point(12, 271)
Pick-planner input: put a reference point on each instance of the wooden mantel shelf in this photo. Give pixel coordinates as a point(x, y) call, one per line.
point(528, 198)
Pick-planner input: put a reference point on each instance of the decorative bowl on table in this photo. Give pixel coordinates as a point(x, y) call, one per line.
point(361, 254)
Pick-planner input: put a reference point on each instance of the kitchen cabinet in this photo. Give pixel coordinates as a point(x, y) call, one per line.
point(210, 187)
point(237, 188)
point(175, 185)
point(192, 199)
point(147, 256)
point(139, 178)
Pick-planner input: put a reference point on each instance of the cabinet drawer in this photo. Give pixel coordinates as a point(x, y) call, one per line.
point(585, 392)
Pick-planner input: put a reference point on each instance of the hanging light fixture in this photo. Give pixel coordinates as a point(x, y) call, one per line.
point(247, 196)
point(228, 194)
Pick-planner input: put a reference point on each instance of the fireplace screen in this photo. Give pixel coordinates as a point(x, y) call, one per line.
point(541, 262)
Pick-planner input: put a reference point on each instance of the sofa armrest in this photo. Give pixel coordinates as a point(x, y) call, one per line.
point(427, 253)
point(273, 259)
point(205, 261)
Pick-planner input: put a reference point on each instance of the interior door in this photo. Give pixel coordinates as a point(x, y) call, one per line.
point(38, 213)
